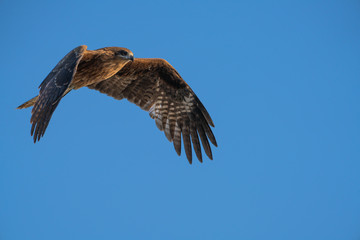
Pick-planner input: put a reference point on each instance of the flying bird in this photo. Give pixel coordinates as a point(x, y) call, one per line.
point(151, 83)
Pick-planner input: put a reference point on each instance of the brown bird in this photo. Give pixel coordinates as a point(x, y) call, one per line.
point(152, 84)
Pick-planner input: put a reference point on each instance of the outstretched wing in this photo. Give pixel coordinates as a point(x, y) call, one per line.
point(155, 86)
point(52, 89)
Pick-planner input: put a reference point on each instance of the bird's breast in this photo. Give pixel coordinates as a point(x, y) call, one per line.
point(88, 74)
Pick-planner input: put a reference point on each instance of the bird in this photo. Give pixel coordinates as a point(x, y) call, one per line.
point(151, 83)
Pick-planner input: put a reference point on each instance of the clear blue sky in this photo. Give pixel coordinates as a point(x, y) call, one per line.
point(281, 80)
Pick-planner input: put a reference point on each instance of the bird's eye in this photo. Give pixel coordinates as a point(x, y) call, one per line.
point(123, 53)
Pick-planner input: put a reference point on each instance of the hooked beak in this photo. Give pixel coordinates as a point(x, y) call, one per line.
point(131, 57)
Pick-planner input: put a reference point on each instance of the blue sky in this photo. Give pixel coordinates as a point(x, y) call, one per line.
point(279, 78)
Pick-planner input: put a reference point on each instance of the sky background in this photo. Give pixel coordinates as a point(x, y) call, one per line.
point(281, 80)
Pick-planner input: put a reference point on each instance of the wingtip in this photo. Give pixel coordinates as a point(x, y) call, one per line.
point(37, 138)
point(199, 157)
point(189, 158)
point(209, 154)
point(178, 152)
point(209, 119)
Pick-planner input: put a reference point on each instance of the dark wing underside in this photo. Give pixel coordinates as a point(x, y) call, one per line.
point(155, 86)
point(52, 89)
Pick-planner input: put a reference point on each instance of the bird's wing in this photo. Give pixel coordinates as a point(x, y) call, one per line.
point(52, 89)
point(155, 86)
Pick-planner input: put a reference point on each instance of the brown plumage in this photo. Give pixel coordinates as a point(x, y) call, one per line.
point(79, 68)
point(152, 84)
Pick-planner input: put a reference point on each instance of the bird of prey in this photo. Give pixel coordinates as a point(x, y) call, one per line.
point(151, 83)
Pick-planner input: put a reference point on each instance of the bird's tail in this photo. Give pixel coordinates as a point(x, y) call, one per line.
point(29, 103)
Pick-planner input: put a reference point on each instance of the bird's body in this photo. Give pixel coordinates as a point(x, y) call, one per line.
point(152, 84)
point(97, 66)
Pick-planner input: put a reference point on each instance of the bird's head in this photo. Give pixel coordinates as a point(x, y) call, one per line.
point(124, 54)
